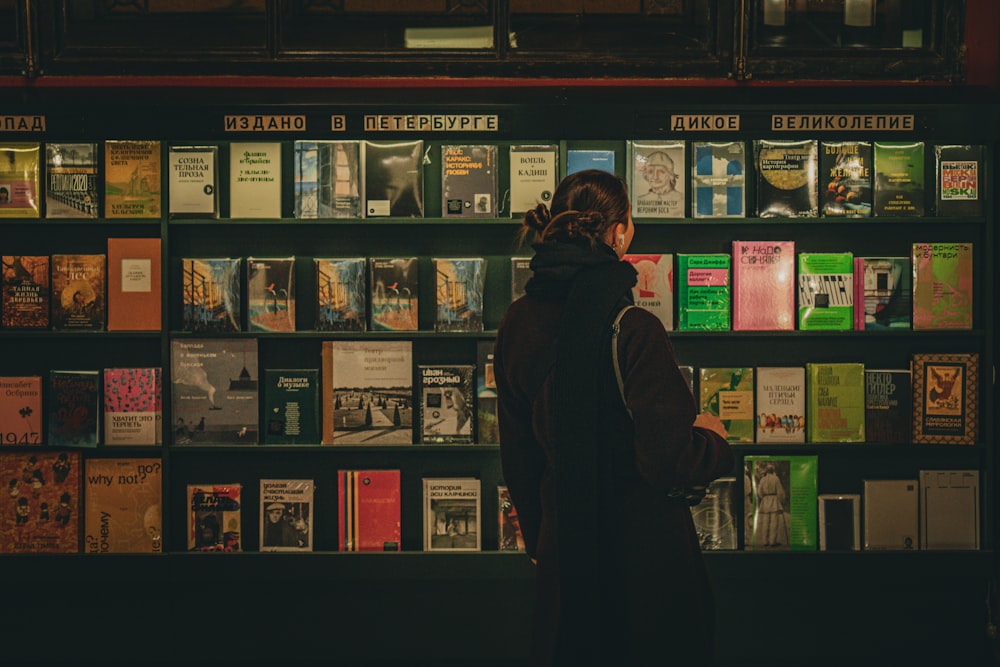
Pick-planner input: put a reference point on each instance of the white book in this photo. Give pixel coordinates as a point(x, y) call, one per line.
point(286, 515)
point(781, 404)
point(949, 509)
point(654, 289)
point(891, 508)
point(255, 179)
point(534, 172)
point(656, 178)
point(452, 514)
point(193, 181)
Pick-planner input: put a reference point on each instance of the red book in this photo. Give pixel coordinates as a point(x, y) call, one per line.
point(134, 294)
point(368, 507)
point(763, 291)
point(21, 410)
point(43, 496)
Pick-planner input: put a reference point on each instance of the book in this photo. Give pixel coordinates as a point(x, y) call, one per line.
point(782, 502)
point(394, 296)
point(826, 291)
point(78, 292)
point(132, 179)
point(123, 505)
point(654, 288)
point(534, 173)
point(839, 521)
point(945, 398)
point(509, 535)
point(368, 510)
point(447, 410)
point(393, 178)
point(134, 293)
point(763, 287)
point(656, 178)
point(43, 502)
point(73, 402)
point(214, 391)
point(20, 179)
point(787, 178)
point(703, 293)
point(452, 514)
point(469, 181)
point(949, 509)
point(846, 178)
point(487, 419)
point(781, 404)
point(214, 517)
point(891, 509)
point(718, 179)
point(367, 392)
point(580, 159)
point(271, 293)
point(25, 300)
point(715, 516)
point(520, 274)
point(958, 170)
point(21, 410)
point(286, 515)
point(888, 405)
point(727, 393)
point(883, 293)
point(689, 375)
point(835, 402)
point(942, 285)
point(193, 181)
point(291, 406)
point(460, 283)
point(255, 179)
point(899, 178)
point(71, 180)
point(210, 294)
point(133, 406)
point(327, 180)
point(341, 294)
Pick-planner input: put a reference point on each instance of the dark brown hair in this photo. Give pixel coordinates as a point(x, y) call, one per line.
point(585, 205)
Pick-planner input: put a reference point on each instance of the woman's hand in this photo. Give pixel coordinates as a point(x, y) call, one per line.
point(712, 423)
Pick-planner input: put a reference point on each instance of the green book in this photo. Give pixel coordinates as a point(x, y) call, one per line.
point(703, 292)
point(826, 291)
point(899, 178)
point(835, 402)
point(727, 393)
point(291, 406)
point(781, 511)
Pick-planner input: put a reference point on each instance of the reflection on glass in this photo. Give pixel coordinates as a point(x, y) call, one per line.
point(818, 25)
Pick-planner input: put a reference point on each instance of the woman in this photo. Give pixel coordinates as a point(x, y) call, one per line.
point(620, 579)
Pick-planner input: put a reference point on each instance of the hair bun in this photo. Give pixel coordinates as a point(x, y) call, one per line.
point(591, 219)
point(538, 218)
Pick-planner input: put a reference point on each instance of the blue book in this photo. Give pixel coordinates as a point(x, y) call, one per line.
point(580, 159)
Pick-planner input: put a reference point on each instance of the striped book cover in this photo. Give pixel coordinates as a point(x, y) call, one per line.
point(368, 506)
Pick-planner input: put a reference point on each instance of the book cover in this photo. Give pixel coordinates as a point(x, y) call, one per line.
point(899, 178)
point(21, 410)
point(367, 392)
point(193, 181)
point(509, 536)
point(286, 515)
point(341, 294)
point(122, 506)
point(210, 294)
point(715, 516)
point(327, 179)
point(214, 517)
point(846, 178)
point(942, 285)
point(783, 506)
point(214, 391)
point(787, 178)
point(25, 301)
point(688, 373)
point(891, 509)
point(460, 285)
point(447, 411)
point(133, 406)
point(73, 402)
point(580, 159)
point(718, 179)
point(255, 179)
point(20, 179)
point(888, 405)
point(656, 178)
point(469, 181)
point(394, 297)
point(271, 293)
point(534, 172)
point(132, 179)
point(452, 514)
point(727, 393)
point(78, 292)
point(839, 521)
point(835, 402)
point(368, 510)
point(134, 292)
point(520, 274)
point(654, 288)
point(43, 510)
point(71, 181)
point(781, 404)
point(945, 398)
point(703, 293)
point(393, 179)
point(958, 171)
point(883, 288)
point(949, 509)
point(291, 406)
point(487, 424)
point(826, 291)
point(763, 289)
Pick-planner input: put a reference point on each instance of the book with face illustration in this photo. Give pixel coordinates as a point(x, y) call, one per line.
point(656, 178)
point(447, 407)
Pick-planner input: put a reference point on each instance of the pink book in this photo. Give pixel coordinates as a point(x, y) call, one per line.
point(763, 285)
point(859, 294)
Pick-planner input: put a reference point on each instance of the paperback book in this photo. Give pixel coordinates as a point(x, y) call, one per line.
point(132, 179)
point(210, 295)
point(703, 292)
point(942, 285)
point(534, 172)
point(447, 410)
point(835, 408)
point(783, 504)
point(787, 178)
point(727, 393)
point(25, 301)
point(958, 170)
point(394, 297)
point(656, 178)
point(949, 509)
point(509, 536)
point(271, 293)
point(71, 181)
point(291, 406)
point(133, 406)
point(43, 501)
point(839, 521)
point(654, 288)
point(452, 514)
point(286, 515)
point(520, 274)
point(327, 179)
point(193, 181)
point(368, 510)
point(460, 283)
point(255, 179)
point(715, 516)
point(945, 398)
point(20, 179)
point(846, 178)
point(469, 181)
point(826, 291)
point(73, 402)
point(763, 289)
point(21, 410)
point(888, 405)
point(899, 178)
point(78, 292)
point(718, 179)
point(393, 179)
point(122, 506)
point(487, 421)
point(883, 293)
point(214, 517)
point(341, 294)
point(580, 159)
point(781, 404)
point(891, 509)
point(134, 292)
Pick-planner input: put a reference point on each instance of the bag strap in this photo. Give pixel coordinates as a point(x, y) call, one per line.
point(616, 328)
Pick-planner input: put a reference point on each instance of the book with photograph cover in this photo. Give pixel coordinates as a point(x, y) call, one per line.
point(214, 517)
point(787, 178)
point(718, 179)
point(945, 398)
point(210, 294)
point(393, 178)
point(271, 293)
point(291, 406)
point(845, 169)
point(368, 510)
point(193, 181)
point(487, 420)
point(44, 499)
point(891, 508)
point(727, 393)
point(781, 404)
point(959, 171)
point(452, 514)
point(447, 408)
point(839, 521)
point(78, 292)
point(133, 406)
point(888, 405)
point(942, 285)
point(580, 159)
point(899, 178)
point(255, 179)
point(341, 294)
point(534, 173)
point(20, 179)
point(520, 274)
point(835, 402)
point(826, 291)
point(367, 392)
point(469, 181)
point(214, 391)
point(393, 294)
point(327, 179)
point(73, 402)
point(21, 410)
point(763, 289)
point(783, 505)
point(122, 506)
point(25, 301)
point(509, 536)
point(460, 283)
point(656, 178)
point(703, 291)
point(71, 180)
point(949, 509)
point(883, 293)
point(134, 293)
point(286, 515)
point(715, 516)
point(132, 179)
point(654, 288)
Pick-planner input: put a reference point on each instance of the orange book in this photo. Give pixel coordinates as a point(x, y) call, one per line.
point(21, 410)
point(122, 500)
point(134, 293)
